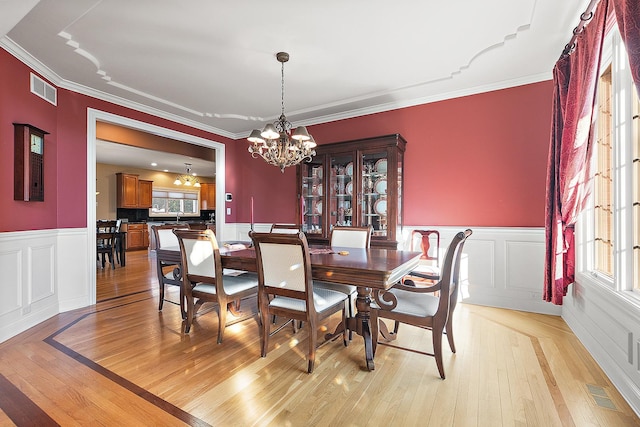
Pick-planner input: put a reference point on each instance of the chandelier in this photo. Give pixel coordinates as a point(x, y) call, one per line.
point(276, 144)
point(188, 179)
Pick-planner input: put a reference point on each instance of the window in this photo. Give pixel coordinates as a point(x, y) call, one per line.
point(603, 181)
point(610, 226)
point(167, 202)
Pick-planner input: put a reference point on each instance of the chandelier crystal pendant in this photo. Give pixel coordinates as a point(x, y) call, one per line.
point(276, 144)
point(189, 179)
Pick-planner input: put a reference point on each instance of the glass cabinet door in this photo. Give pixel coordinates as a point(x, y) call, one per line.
point(342, 190)
point(313, 195)
point(373, 203)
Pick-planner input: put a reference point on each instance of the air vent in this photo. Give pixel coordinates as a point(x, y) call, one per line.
point(43, 89)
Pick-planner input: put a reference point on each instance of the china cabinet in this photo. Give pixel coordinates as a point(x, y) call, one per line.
point(353, 183)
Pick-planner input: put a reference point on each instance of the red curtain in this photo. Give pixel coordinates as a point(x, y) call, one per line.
point(628, 17)
point(575, 80)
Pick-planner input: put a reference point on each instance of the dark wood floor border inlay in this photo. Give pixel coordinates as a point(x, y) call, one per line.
point(20, 409)
point(123, 382)
point(123, 296)
point(552, 385)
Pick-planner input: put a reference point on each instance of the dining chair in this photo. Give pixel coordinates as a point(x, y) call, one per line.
point(428, 271)
point(285, 228)
point(169, 273)
point(286, 288)
point(105, 241)
point(117, 243)
point(203, 278)
point(416, 306)
point(349, 237)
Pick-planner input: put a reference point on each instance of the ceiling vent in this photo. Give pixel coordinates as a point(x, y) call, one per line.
point(43, 89)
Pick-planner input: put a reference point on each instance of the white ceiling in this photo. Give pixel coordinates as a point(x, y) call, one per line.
point(211, 64)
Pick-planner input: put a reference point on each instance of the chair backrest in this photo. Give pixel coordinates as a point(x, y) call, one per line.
point(428, 242)
point(450, 272)
point(106, 226)
point(105, 233)
point(284, 266)
point(164, 236)
point(285, 228)
point(200, 254)
point(351, 237)
point(453, 299)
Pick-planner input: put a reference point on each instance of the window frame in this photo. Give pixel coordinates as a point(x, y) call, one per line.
point(614, 53)
point(195, 191)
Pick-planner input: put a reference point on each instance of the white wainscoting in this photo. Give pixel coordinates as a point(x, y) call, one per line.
point(44, 273)
point(49, 271)
point(501, 267)
point(608, 325)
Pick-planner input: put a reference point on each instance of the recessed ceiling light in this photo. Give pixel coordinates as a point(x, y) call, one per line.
point(154, 164)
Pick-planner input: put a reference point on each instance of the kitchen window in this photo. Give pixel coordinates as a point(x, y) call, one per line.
point(170, 202)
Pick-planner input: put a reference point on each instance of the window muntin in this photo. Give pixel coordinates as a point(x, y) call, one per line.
point(613, 216)
point(603, 178)
point(171, 202)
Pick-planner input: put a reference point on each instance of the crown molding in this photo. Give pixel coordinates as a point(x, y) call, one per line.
point(25, 57)
point(29, 60)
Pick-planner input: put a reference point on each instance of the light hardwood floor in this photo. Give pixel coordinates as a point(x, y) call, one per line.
point(122, 362)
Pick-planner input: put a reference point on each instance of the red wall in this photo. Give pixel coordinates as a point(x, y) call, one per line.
point(478, 160)
point(473, 161)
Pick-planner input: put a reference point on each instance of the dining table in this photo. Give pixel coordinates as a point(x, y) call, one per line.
point(367, 269)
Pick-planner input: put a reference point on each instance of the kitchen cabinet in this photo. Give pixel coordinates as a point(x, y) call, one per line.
point(145, 191)
point(207, 196)
point(133, 193)
point(354, 183)
point(137, 236)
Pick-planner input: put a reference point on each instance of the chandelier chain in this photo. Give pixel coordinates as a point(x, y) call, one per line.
point(282, 89)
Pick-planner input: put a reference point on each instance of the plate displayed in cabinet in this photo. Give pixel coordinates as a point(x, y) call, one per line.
point(319, 207)
point(349, 188)
point(349, 169)
point(381, 166)
point(380, 186)
point(380, 207)
point(319, 189)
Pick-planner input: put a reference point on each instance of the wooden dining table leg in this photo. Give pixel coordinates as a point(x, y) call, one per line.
point(363, 323)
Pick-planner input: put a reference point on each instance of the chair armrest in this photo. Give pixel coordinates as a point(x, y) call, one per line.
point(424, 275)
point(421, 290)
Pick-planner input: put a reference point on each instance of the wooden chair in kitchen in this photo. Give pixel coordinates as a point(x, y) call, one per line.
point(105, 241)
point(169, 273)
point(286, 288)
point(203, 277)
point(418, 306)
point(118, 247)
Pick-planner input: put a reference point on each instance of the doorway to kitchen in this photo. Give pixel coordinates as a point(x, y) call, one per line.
point(95, 116)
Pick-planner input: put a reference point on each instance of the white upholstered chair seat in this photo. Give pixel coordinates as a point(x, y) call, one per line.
point(350, 290)
point(415, 304)
point(322, 299)
point(233, 285)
